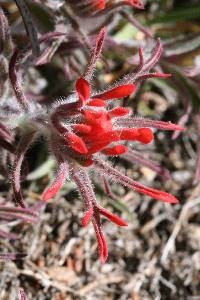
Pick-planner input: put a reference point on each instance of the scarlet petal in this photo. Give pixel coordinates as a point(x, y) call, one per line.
point(82, 128)
point(97, 147)
point(83, 89)
point(135, 3)
point(58, 182)
point(103, 138)
point(103, 249)
point(145, 135)
point(86, 219)
point(158, 195)
point(92, 115)
point(76, 143)
point(115, 150)
point(118, 92)
point(101, 4)
point(51, 191)
point(104, 255)
point(112, 217)
point(139, 122)
point(126, 181)
point(128, 134)
point(118, 112)
point(86, 163)
point(97, 102)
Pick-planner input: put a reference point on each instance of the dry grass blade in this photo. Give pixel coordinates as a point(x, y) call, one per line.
point(30, 28)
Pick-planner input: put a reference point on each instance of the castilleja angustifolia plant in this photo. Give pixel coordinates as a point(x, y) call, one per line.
point(83, 131)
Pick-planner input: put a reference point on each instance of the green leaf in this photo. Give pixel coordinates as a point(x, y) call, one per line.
point(126, 33)
point(41, 16)
point(177, 15)
point(42, 170)
point(123, 208)
point(194, 97)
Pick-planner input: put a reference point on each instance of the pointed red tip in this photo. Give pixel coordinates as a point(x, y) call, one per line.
point(83, 89)
point(168, 198)
point(50, 193)
point(87, 217)
point(177, 127)
point(118, 112)
point(162, 75)
point(115, 150)
point(135, 3)
point(104, 250)
point(145, 135)
point(46, 196)
point(166, 125)
point(101, 4)
point(112, 217)
point(82, 128)
point(76, 143)
point(86, 162)
point(118, 92)
point(158, 195)
point(97, 102)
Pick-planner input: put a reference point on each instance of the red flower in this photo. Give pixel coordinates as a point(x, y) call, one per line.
point(85, 129)
point(91, 7)
point(135, 3)
point(102, 3)
point(96, 131)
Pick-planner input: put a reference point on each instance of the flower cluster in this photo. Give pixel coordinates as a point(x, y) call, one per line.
point(88, 127)
point(83, 131)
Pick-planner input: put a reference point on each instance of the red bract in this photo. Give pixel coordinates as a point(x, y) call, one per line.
point(102, 3)
point(87, 128)
point(135, 3)
point(94, 7)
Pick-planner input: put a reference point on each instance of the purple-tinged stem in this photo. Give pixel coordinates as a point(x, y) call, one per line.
point(12, 256)
point(114, 174)
point(183, 120)
point(15, 81)
point(16, 58)
point(147, 65)
point(61, 175)
point(21, 150)
point(8, 235)
point(107, 188)
point(136, 24)
point(13, 216)
point(4, 31)
point(103, 249)
point(5, 133)
point(142, 122)
point(84, 185)
point(135, 157)
point(152, 75)
point(16, 210)
point(7, 146)
point(96, 52)
point(30, 28)
point(196, 178)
